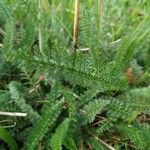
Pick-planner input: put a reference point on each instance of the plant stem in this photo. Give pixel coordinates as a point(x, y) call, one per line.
point(14, 114)
point(40, 27)
point(76, 22)
point(101, 141)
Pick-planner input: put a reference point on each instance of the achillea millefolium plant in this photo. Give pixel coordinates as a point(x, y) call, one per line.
point(95, 96)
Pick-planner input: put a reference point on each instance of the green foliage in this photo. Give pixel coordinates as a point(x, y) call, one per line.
point(4, 68)
point(49, 117)
point(137, 135)
point(93, 108)
point(69, 143)
point(59, 135)
point(71, 96)
point(8, 138)
point(17, 93)
point(95, 144)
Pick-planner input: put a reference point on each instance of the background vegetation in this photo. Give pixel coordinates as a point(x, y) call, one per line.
point(92, 97)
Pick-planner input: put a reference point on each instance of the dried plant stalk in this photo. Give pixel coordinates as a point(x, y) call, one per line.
point(14, 114)
point(76, 22)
